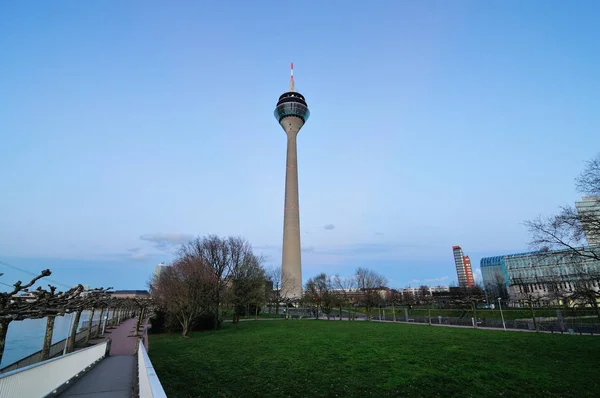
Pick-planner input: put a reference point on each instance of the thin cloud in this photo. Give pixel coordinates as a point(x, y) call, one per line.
point(379, 234)
point(439, 280)
point(329, 227)
point(167, 241)
point(139, 256)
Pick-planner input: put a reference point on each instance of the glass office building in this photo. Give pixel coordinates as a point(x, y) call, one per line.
point(539, 274)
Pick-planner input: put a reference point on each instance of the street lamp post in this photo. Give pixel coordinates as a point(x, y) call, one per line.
point(501, 314)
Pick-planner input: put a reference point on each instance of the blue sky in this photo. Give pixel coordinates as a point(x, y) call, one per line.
point(129, 127)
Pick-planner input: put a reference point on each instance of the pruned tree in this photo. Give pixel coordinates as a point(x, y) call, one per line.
point(84, 301)
point(15, 308)
point(52, 303)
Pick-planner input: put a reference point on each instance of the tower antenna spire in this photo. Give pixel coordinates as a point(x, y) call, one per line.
point(292, 77)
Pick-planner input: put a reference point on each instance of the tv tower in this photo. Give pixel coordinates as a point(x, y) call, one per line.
point(291, 113)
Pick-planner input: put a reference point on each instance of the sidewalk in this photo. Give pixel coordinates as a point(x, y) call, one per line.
point(115, 375)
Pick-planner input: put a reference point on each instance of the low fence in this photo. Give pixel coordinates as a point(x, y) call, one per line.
point(47, 377)
point(567, 326)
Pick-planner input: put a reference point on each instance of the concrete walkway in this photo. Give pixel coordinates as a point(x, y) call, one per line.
point(115, 375)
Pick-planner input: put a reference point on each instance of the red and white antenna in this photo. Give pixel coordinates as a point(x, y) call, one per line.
point(292, 76)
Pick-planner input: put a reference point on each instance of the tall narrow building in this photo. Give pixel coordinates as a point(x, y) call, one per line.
point(464, 272)
point(291, 113)
point(588, 210)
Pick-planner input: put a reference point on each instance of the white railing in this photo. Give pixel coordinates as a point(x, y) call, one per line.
point(149, 383)
point(44, 378)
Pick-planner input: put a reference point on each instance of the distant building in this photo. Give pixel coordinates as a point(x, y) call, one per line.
point(159, 268)
point(28, 297)
point(548, 277)
point(130, 294)
point(464, 271)
point(589, 213)
point(423, 290)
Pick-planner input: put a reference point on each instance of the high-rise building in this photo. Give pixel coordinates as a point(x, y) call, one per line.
point(589, 215)
point(159, 268)
point(464, 271)
point(291, 113)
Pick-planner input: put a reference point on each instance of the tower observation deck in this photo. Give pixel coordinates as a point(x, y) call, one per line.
point(291, 112)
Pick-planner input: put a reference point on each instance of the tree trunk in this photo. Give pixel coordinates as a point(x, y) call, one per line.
point(340, 312)
point(99, 328)
point(3, 330)
point(111, 316)
point(137, 324)
point(474, 307)
point(48, 338)
point(594, 303)
point(72, 337)
point(256, 315)
point(533, 316)
point(89, 328)
point(185, 328)
point(429, 316)
point(393, 312)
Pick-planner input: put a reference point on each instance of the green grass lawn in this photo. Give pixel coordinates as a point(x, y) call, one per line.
point(340, 358)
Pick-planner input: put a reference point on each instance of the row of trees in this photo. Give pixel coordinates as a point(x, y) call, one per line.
point(50, 303)
point(213, 277)
point(369, 290)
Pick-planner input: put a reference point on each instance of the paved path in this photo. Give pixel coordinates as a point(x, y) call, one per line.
point(413, 323)
point(115, 375)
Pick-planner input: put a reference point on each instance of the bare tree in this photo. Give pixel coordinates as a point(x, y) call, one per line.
point(185, 290)
point(570, 229)
point(247, 278)
point(370, 284)
point(345, 287)
point(282, 285)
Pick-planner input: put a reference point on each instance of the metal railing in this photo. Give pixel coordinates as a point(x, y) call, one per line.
point(56, 349)
point(46, 377)
point(520, 324)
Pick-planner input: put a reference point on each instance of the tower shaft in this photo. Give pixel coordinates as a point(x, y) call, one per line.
point(291, 256)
